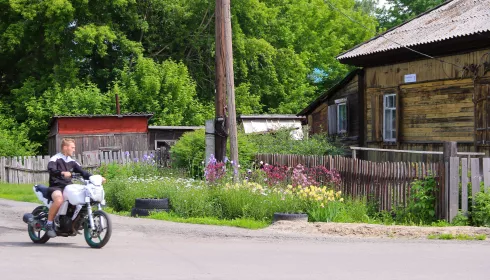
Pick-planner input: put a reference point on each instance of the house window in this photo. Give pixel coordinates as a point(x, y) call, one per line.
point(389, 118)
point(341, 117)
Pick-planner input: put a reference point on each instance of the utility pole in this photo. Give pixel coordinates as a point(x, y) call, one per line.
point(230, 88)
point(221, 123)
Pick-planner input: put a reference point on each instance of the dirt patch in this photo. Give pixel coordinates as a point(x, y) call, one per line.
point(370, 230)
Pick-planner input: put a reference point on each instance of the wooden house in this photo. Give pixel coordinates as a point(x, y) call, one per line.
point(124, 132)
point(337, 111)
point(427, 81)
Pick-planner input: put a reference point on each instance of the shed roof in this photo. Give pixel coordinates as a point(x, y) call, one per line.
point(272, 117)
point(175, 127)
point(450, 20)
point(137, 114)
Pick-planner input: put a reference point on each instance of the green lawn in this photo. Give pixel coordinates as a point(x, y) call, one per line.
point(241, 222)
point(18, 192)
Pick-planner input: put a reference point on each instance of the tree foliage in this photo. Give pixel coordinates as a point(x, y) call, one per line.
point(399, 11)
point(73, 56)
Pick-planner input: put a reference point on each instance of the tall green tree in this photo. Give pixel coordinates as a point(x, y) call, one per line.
point(166, 89)
point(399, 11)
point(159, 55)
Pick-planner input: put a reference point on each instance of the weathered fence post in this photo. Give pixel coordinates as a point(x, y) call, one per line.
point(451, 174)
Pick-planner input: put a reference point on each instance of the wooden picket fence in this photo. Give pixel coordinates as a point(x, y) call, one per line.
point(469, 174)
point(33, 169)
point(389, 183)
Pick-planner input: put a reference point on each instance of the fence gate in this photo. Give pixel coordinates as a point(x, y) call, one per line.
point(470, 174)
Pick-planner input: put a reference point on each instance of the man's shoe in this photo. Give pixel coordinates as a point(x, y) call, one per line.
point(50, 230)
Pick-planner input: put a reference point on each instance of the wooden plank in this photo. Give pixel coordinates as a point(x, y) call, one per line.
point(39, 178)
point(454, 187)
point(110, 157)
point(464, 185)
point(486, 173)
point(475, 178)
point(445, 203)
point(2, 169)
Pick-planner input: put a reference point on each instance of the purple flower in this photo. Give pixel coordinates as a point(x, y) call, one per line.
point(212, 159)
point(126, 153)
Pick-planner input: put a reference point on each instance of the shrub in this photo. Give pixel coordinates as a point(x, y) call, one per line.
point(480, 214)
point(349, 211)
point(280, 142)
point(421, 206)
point(189, 151)
point(191, 198)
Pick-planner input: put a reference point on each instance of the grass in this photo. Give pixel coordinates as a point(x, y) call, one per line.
point(172, 217)
point(111, 210)
point(449, 236)
point(239, 222)
point(18, 192)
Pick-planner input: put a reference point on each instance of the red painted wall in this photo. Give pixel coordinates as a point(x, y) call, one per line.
point(102, 125)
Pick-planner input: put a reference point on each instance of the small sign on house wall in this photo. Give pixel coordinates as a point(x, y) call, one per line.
point(410, 78)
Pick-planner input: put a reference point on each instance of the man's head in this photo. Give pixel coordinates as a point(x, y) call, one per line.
point(68, 147)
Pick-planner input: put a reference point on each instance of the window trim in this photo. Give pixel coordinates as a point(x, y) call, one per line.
point(338, 103)
point(394, 108)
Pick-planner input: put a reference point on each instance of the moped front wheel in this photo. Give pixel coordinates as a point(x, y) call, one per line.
point(99, 236)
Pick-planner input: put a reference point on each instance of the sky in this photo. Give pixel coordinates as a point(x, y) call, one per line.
point(381, 2)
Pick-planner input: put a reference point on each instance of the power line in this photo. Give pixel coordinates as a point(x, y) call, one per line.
point(381, 35)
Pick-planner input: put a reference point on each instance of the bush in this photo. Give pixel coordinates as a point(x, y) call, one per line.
point(350, 211)
point(189, 152)
point(191, 198)
point(480, 214)
point(421, 206)
point(280, 142)
point(14, 140)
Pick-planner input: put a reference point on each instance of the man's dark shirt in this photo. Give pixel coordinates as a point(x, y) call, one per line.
point(60, 163)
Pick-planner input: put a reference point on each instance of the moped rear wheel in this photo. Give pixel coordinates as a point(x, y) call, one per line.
point(98, 237)
point(37, 233)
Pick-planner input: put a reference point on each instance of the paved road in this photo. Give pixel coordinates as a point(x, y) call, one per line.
point(146, 249)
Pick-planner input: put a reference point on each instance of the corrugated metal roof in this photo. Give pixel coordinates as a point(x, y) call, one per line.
point(272, 116)
point(176, 127)
point(457, 18)
point(137, 114)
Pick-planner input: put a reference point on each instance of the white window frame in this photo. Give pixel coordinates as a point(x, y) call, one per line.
point(341, 102)
point(385, 109)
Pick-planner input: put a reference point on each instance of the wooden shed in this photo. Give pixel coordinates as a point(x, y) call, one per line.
point(265, 123)
point(125, 132)
point(427, 81)
point(165, 136)
point(337, 111)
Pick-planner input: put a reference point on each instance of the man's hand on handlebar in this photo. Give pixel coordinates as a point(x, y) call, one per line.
point(66, 174)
